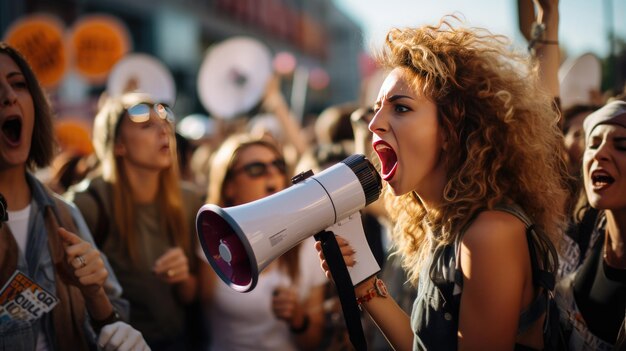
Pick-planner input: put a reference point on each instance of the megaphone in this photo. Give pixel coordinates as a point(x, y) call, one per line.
point(233, 76)
point(240, 241)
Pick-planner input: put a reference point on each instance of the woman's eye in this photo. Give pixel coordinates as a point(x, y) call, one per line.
point(19, 84)
point(401, 108)
point(593, 145)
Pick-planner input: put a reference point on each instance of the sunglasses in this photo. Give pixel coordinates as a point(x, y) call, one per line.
point(141, 112)
point(258, 169)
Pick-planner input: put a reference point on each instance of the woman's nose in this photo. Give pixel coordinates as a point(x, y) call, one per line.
point(8, 96)
point(377, 124)
point(602, 152)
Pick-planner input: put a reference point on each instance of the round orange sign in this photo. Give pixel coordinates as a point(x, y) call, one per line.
point(97, 42)
point(39, 38)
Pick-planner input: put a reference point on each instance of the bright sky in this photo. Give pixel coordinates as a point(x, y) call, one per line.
point(582, 27)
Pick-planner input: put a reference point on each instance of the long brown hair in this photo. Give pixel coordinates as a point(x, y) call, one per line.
point(504, 142)
point(169, 198)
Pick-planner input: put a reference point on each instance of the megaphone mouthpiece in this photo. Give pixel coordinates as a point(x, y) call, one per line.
point(367, 175)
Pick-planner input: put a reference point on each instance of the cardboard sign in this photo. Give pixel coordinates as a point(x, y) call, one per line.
point(39, 38)
point(21, 299)
point(97, 42)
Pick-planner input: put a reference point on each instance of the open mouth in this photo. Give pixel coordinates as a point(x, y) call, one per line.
point(388, 159)
point(12, 129)
point(601, 179)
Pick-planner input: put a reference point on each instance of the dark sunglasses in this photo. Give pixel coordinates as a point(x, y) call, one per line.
point(141, 112)
point(257, 169)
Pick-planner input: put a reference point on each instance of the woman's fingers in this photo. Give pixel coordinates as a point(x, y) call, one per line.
point(346, 251)
point(86, 265)
point(173, 266)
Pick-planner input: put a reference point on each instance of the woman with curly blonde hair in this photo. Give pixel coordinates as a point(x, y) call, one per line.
point(471, 152)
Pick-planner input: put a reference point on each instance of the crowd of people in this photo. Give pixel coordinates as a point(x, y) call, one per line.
point(502, 223)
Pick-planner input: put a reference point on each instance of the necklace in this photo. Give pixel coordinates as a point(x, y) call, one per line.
point(607, 257)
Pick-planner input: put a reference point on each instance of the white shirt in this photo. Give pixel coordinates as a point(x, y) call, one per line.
point(245, 321)
point(18, 223)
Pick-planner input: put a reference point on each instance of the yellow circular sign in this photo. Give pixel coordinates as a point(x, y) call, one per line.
point(39, 38)
point(97, 42)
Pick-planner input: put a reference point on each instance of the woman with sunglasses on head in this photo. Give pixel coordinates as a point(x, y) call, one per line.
point(469, 147)
point(283, 312)
point(45, 240)
point(142, 215)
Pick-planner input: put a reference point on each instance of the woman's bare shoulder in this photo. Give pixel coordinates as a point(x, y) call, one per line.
point(494, 231)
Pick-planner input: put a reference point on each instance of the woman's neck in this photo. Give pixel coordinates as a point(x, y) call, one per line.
point(14, 188)
point(616, 238)
point(144, 183)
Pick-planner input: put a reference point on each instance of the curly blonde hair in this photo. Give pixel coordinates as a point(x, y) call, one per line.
point(504, 142)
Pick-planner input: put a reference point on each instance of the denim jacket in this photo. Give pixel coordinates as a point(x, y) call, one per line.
point(37, 264)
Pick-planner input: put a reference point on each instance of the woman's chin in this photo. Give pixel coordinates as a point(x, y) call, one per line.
point(395, 188)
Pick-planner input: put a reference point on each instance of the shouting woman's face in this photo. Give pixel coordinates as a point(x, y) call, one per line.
point(604, 167)
point(408, 138)
point(17, 115)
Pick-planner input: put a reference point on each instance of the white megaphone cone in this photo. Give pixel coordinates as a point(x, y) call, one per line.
point(240, 241)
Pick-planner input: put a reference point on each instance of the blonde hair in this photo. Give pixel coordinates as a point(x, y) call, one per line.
point(105, 135)
point(504, 143)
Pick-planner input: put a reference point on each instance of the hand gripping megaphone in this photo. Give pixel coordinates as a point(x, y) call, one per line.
point(240, 241)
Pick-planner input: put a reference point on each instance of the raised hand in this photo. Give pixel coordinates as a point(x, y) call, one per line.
point(285, 303)
point(173, 266)
point(86, 269)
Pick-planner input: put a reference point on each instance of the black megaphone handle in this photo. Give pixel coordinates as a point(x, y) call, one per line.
point(345, 289)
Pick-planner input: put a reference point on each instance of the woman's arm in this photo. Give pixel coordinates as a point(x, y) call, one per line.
point(173, 268)
point(392, 321)
point(87, 272)
point(547, 48)
point(497, 282)
point(305, 318)
point(187, 290)
point(275, 103)
point(111, 287)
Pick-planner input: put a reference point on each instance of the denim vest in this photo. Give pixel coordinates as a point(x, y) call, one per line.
point(37, 264)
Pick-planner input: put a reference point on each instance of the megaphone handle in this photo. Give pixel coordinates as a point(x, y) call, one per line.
point(345, 289)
